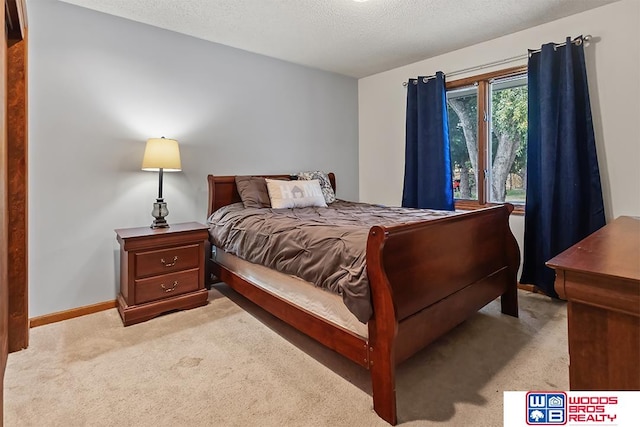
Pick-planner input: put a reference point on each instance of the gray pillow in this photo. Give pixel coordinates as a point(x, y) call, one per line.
point(325, 184)
point(253, 191)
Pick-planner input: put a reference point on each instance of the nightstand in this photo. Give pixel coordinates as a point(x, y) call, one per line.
point(161, 270)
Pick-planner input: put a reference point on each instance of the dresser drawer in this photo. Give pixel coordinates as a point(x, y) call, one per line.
point(166, 286)
point(167, 260)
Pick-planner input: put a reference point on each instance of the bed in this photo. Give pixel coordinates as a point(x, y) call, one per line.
point(418, 291)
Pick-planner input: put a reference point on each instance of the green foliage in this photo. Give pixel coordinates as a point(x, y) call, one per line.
point(509, 111)
point(509, 116)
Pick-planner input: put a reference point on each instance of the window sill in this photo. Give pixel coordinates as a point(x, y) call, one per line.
point(470, 205)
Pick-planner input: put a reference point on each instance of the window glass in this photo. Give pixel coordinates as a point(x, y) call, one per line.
point(462, 108)
point(488, 138)
point(508, 153)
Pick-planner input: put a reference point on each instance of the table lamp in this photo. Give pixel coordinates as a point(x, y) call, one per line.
point(162, 155)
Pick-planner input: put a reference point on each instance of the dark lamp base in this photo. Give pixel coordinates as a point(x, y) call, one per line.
point(159, 223)
point(159, 212)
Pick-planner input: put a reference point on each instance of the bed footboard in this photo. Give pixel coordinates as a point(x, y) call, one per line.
point(428, 277)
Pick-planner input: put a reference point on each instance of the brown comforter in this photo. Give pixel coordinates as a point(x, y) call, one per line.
point(325, 246)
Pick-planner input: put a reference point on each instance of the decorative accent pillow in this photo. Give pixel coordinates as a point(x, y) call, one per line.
point(325, 184)
point(253, 191)
point(295, 194)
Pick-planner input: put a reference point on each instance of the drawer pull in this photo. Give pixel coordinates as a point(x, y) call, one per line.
point(171, 289)
point(169, 264)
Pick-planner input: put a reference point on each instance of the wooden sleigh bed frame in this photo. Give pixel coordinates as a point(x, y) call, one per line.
point(425, 278)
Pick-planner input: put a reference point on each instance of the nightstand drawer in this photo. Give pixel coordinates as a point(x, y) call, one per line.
point(167, 260)
point(166, 286)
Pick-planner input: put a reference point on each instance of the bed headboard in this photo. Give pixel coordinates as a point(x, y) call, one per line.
point(223, 191)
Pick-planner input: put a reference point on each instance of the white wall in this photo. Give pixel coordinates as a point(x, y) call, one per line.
point(99, 86)
point(613, 71)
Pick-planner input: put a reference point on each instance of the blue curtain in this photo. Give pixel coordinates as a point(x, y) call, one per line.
point(564, 195)
point(427, 169)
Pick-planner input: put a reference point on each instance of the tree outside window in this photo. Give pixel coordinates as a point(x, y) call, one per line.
point(488, 138)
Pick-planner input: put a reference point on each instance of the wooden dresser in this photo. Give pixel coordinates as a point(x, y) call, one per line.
point(161, 270)
point(600, 278)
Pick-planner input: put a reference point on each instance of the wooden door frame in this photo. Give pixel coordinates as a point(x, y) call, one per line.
point(17, 268)
point(4, 246)
point(14, 323)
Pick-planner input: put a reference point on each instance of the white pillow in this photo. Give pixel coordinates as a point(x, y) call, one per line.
point(295, 194)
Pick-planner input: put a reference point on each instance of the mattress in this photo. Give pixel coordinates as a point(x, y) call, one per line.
point(296, 291)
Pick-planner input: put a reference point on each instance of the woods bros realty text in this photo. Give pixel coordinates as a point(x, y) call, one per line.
point(592, 408)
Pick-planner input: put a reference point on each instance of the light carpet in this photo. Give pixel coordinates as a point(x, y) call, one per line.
point(231, 364)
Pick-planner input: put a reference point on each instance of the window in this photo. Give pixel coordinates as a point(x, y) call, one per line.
point(488, 138)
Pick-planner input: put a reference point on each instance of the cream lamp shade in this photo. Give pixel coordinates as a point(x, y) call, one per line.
point(161, 153)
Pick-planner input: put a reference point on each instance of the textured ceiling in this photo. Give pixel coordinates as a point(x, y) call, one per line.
point(345, 36)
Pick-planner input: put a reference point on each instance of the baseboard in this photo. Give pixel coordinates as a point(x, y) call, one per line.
point(70, 314)
point(106, 305)
point(531, 288)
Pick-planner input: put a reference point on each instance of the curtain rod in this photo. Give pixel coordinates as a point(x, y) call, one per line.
point(577, 41)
